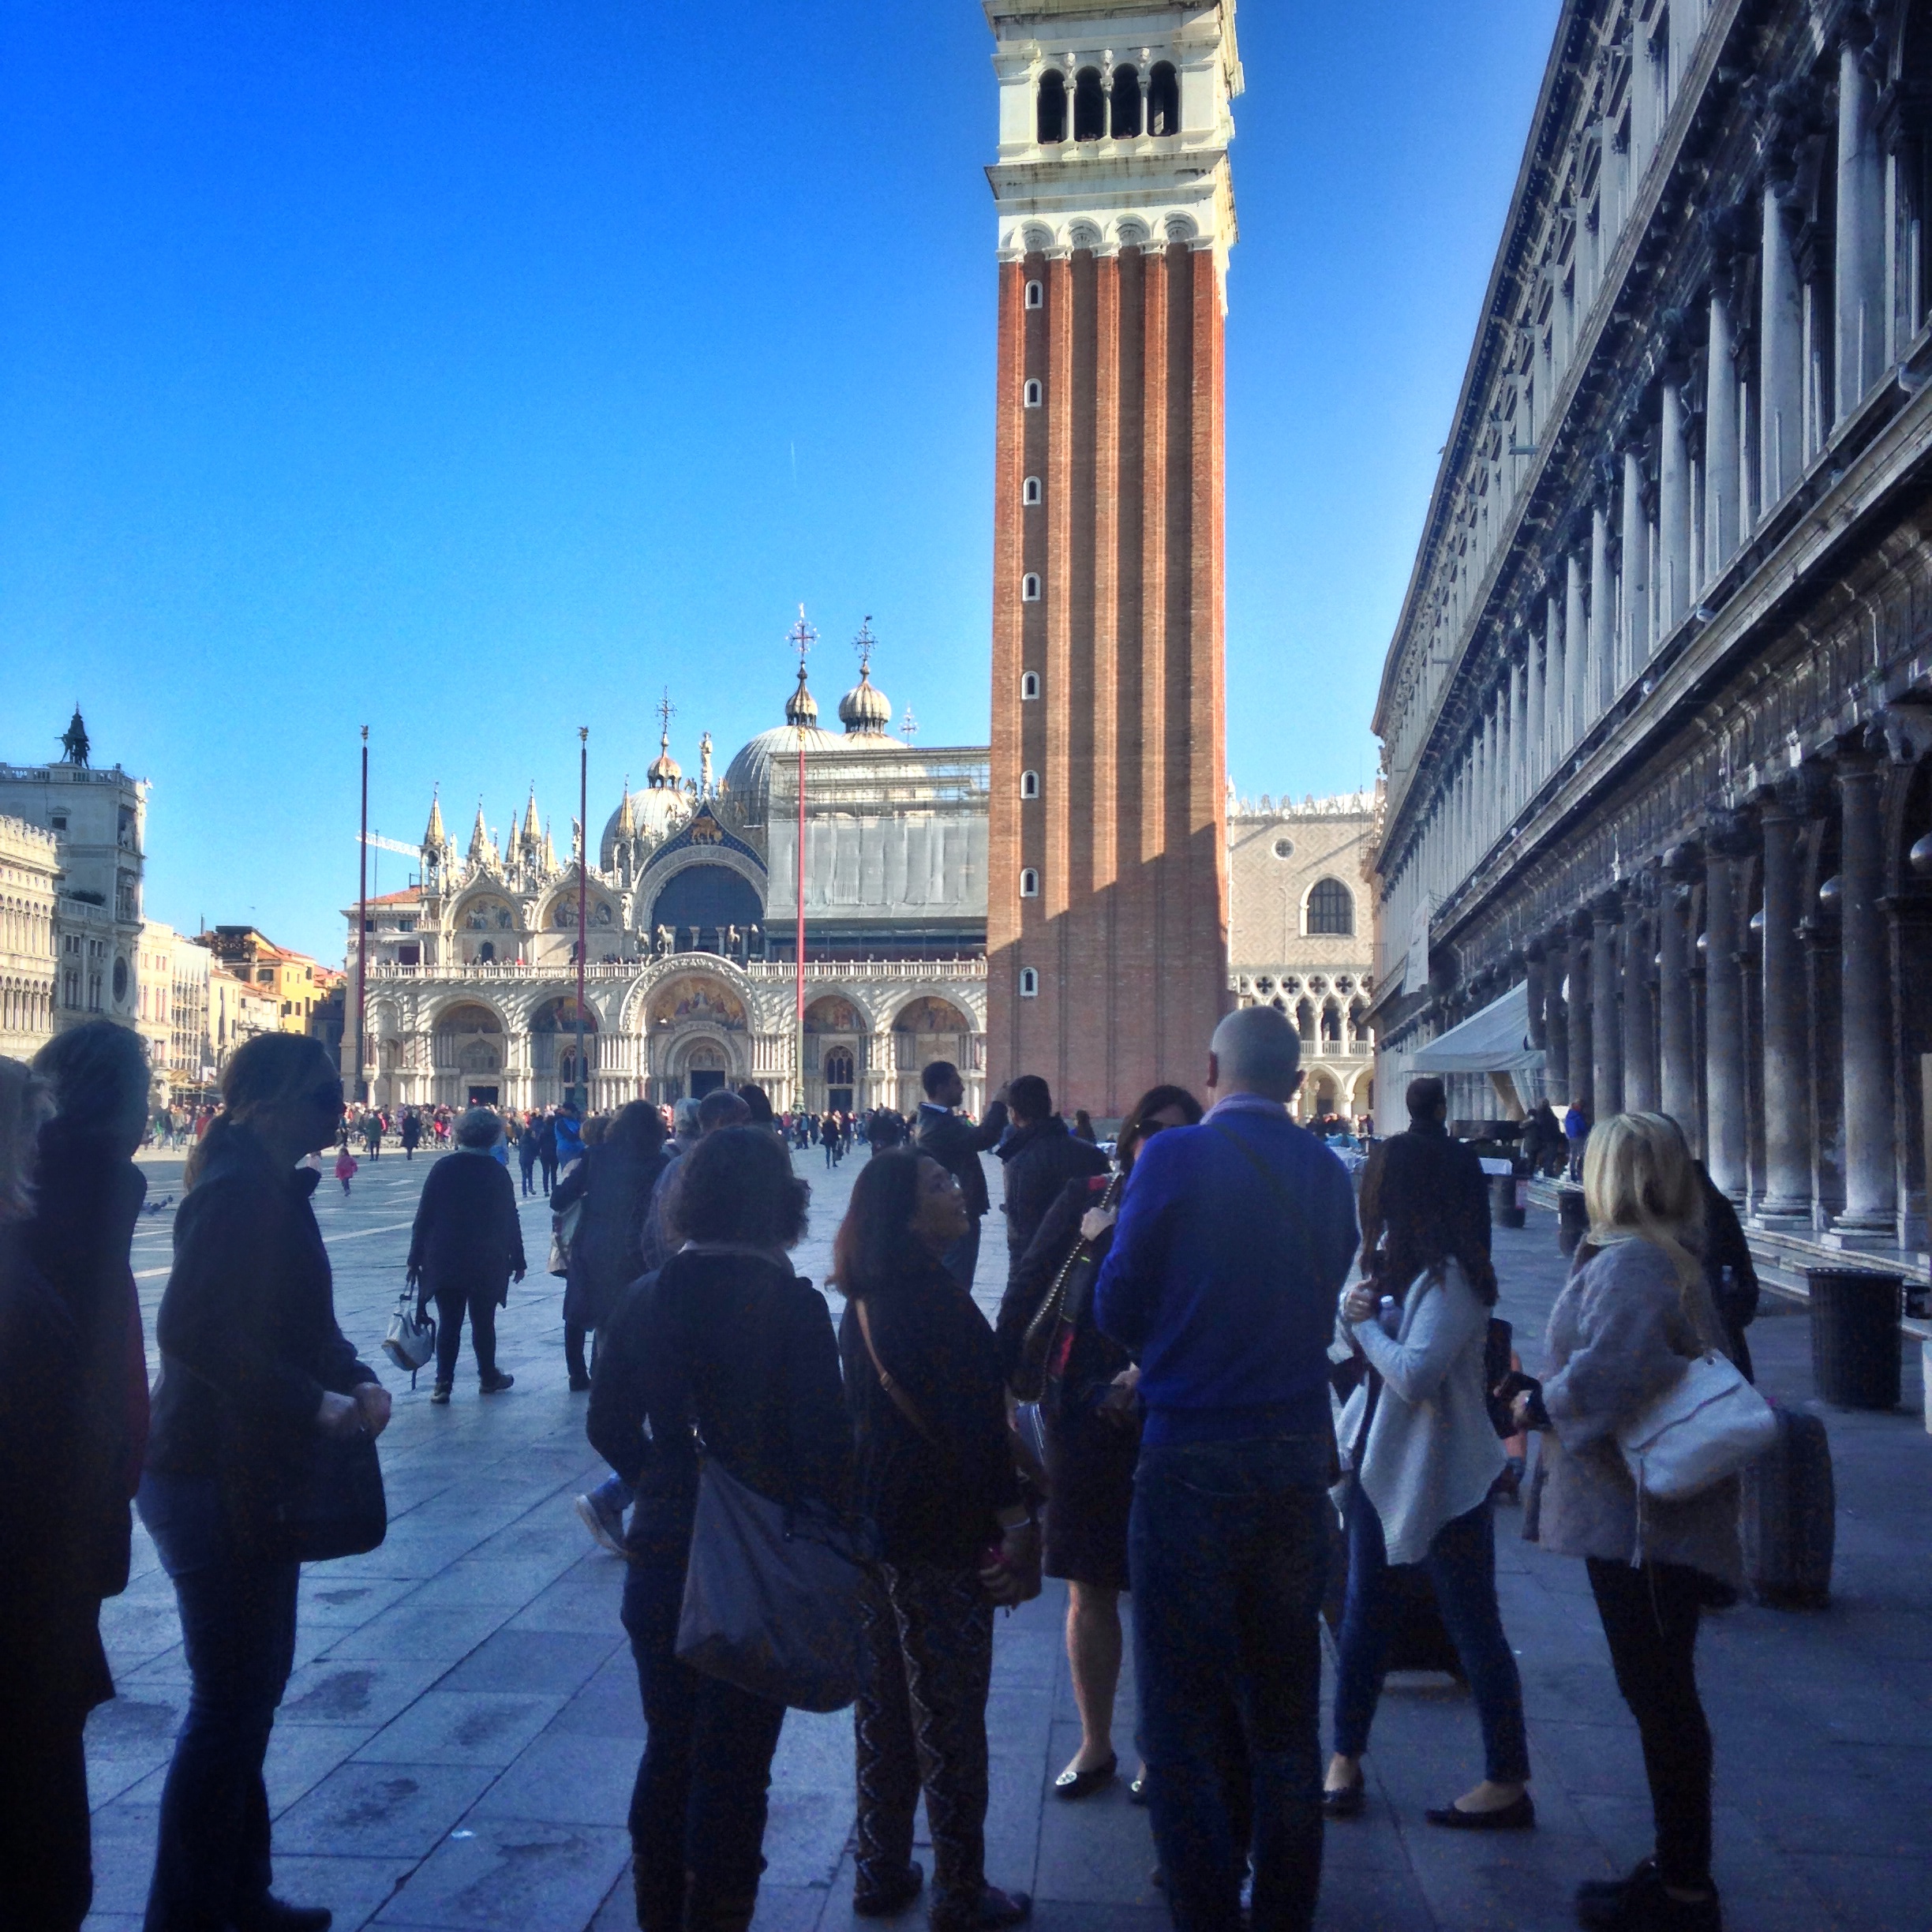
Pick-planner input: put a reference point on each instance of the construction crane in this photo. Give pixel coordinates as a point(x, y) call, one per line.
point(389, 844)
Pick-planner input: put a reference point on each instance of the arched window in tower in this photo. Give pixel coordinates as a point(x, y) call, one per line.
point(1030, 491)
point(1030, 588)
point(1164, 99)
point(1029, 785)
point(1089, 106)
point(1051, 125)
point(1033, 394)
point(1126, 118)
point(1304, 1021)
point(1029, 982)
point(1029, 685)
point(1029, 883)
point(1036, 294)
point(1330, 908)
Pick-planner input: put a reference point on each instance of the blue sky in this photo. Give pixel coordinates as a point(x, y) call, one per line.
point(476, 369)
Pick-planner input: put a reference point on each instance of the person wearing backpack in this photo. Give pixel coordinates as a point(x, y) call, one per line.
point(1425, 1454)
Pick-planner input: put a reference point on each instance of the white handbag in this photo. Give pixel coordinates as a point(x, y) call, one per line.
point(1706, 1426)
point(412, 1337)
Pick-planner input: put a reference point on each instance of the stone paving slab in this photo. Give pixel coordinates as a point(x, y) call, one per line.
point(458, 1742)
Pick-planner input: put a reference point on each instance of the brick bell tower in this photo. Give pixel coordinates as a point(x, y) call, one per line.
point(1107, 899)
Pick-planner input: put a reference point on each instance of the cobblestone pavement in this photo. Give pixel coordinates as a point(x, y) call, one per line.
point(456, 1747)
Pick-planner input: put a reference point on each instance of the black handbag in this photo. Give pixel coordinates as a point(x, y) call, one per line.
point(330, 1503)
point(1049, 1338)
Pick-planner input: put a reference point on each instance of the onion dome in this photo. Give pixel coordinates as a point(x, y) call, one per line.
point(801, 707)
point(865, 711)
point(665, 771)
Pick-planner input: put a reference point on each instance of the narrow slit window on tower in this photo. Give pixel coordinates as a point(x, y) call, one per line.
point(1030, 490)
point(1053, 106)
point(1126, 117)
point(1029, 785)
point(1030, 588)
point(1164, 99)
point(1036, 295)
point(1029, 883)
point(1034, 394)
point(1029, 982)
point(1029, 684)
point(1089, 106)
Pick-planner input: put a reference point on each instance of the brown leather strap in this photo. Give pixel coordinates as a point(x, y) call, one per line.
point(901, 1401)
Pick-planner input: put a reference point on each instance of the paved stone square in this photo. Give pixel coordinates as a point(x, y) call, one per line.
point(458, 1744)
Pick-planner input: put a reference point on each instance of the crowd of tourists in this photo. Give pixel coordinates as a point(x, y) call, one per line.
point(1159, 1407)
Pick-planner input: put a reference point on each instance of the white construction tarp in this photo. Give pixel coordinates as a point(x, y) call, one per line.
point(1496, 1040)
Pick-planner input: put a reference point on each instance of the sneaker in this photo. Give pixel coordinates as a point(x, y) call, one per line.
point(441, 1394)
point(496, 1384)
point(608, 1531)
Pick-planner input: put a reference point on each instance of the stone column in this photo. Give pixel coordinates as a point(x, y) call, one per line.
point(1635, 544)
point(1640, 1055)
point(1780, 354)
point(1871, 1179)
point(1787, 1096)
point(1677, 1082)
point(1673, 513)
point(1859, 268)
point(1556, 1020)
point(1533, 710)
point(1720, 441)
point(1558, 740)
point(1602, 614)
point(1724, 1008)
point(1518, 788)
point(1536, 992)
point(1578, 1011)
point(1576, 648)
point(1606, 1027)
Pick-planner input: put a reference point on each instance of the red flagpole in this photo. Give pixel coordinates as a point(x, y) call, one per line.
point(361, 1086)
point(583, 876)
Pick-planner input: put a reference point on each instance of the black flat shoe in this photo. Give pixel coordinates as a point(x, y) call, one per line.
point(1071, 1785)
point(1347, 1801)
point(895, 1898)
point(275, 1915)
point(1520, 1816)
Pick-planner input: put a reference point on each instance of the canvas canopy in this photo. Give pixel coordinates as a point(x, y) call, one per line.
point(1496, 1040)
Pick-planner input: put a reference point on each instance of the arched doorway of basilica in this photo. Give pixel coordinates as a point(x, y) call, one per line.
point(925, 1030)
point(554, 1070)
point(836, 1033)
point(697, 1036)
point(469, 1054)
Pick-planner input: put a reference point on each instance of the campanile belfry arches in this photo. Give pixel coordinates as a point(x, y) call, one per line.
point(1107, 902)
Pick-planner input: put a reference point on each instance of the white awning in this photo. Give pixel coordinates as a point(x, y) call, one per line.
point(1496, 1040)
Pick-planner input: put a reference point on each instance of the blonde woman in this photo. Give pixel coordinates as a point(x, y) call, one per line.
point(1636, 1309)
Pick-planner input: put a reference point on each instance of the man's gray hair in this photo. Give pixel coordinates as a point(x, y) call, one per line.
point(684, 1119)
point(1258, 1050)
point(479, 1128)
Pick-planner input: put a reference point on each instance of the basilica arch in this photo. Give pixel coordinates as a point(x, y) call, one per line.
point(468, 1053)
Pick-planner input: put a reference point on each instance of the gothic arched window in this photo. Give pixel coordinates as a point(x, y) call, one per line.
point(1330, 908)
point(1089, 106)
point(838, 1067)
point(1052, 125)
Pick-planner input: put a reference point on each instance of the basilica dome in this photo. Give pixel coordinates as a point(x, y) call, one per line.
point(746, 801)
point(652, 815)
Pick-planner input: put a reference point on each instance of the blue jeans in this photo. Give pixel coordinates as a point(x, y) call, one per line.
point(1228, 1550)
point(612, 1497)
point(238, 1616)
point(1461, 1563)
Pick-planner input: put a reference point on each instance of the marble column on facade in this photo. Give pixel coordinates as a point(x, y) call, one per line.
point(1859, 222)
point(1557, 743)
point(1576, 647)
point(1676, 1040)
point(1871, 1175)
point(1602, 614)
point(1780, 353)
point(1786, 1095)
point(1725, 1090)
point(1536, 992)
point(1532, 710)
point(1640, 1053)
point(1606, 1021)
point(1555, 1021)
point(1578, 1010)
point(1722, 456)
point(1635, 546)
point(1673, 510)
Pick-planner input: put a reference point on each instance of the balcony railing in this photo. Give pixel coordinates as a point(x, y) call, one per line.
point(779, 970)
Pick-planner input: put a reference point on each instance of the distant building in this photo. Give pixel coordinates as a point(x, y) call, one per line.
point(237, 1011)
point(29, 888)
point(154, 1001)
point(298, 984)
point(191, 1054)
point(1303, 935)
point(97, 819)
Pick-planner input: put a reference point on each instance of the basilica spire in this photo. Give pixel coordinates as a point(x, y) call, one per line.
point(435, 838)
point(532, 830)
point(627, 818)
point(481, 849)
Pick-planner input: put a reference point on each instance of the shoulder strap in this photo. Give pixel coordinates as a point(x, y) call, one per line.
point(900, 1400)
point(1282, 1199)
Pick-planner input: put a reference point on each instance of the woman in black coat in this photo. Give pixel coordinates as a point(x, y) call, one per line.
point(724, 1343)
point(615, 1181)
point(1093, 1440)
point(934, 1471)
point(252, 1368)
point(466, 1249)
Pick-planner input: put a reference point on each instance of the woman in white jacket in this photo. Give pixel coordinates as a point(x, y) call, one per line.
point(1426, 1454)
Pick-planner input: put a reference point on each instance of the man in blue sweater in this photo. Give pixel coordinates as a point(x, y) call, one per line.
point(1234, 1240)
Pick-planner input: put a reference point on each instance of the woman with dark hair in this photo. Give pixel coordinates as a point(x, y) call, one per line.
point(723, 1350)
point(1093, 1440)
point(1425, 1453)
point(252, 1365)
point(934, 1471)
point(465, 1249)
point(73, 1422)
point(614, 1181)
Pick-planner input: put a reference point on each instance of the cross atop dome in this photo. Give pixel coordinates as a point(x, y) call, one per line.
point(801, 707)
point(665, 771)
point(865, 712)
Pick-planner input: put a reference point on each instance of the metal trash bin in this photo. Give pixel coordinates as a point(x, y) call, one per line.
point(1572, 1219)
point(1855, 1336)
